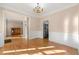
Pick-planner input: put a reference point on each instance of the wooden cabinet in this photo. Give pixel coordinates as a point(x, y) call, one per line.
point(16, 31)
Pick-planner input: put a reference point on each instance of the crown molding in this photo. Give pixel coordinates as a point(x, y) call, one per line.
point(52, 12)
point(36, 16)
point(17, 11)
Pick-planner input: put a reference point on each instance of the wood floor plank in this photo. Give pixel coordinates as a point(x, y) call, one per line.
point(20, 46)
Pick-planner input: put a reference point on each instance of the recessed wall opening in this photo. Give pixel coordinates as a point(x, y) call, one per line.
point(14, 29)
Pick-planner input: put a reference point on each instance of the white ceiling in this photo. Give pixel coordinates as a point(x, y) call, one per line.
point(27, 8)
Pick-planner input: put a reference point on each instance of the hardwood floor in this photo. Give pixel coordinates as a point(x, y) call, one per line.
point(20, 46)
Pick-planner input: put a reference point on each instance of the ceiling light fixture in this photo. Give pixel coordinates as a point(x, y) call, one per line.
point(38, 9)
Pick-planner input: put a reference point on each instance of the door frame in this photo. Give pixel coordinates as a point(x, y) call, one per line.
point(14, 20)
point(43, 29)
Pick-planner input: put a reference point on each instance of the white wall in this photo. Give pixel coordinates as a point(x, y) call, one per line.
point(1, 28)
point(25, 28)
point(68, 39)
point(63, 27)
point(13, 15)
point(35, 28)
point(36, 34)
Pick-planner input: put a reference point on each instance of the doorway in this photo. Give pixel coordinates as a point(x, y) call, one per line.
point(45, 29)
point(14, 28)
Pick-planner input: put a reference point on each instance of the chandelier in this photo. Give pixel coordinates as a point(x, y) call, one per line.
point(38, 9)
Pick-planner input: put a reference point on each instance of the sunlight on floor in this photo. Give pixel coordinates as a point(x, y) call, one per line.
point(46, 47)
point(39, 53)
point(19, 50)
point(58, 51)
point(13, 37)
point(32, 49)
point(9, 51)
point(54, 51)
